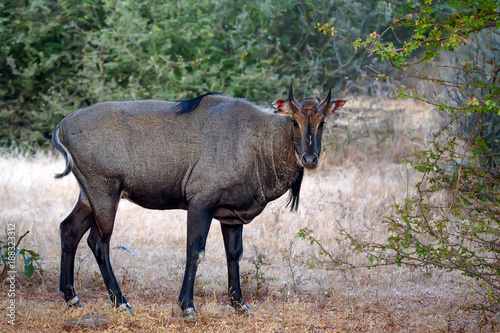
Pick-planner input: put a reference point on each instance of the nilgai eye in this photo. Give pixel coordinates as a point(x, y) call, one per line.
point(295, 123)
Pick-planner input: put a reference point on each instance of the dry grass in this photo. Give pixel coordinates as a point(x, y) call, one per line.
point(355, 186)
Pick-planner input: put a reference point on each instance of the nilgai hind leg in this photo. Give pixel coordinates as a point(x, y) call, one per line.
point(96, 210)
point(72, 230)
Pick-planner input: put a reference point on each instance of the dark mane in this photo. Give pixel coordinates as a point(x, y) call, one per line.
point(294, 193)
point(191, 104)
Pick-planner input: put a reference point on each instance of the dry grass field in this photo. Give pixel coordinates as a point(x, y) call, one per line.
point(359, 177)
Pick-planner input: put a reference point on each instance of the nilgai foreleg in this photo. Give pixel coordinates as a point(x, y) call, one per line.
point(234, 249)
point(198, 225)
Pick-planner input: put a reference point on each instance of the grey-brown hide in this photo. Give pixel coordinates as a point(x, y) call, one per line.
point(215, 156)
point(225, 148)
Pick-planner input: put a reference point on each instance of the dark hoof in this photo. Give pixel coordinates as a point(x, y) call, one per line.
point(244, 311)
point(74, 303)
point(189, 314)
point(125, 307)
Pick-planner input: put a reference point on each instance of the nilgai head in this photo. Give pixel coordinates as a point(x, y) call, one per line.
point(308, 120)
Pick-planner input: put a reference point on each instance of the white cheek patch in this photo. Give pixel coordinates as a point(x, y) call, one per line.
point(298, 159)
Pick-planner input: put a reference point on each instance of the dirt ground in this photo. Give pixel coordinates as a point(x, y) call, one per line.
point(352, 308)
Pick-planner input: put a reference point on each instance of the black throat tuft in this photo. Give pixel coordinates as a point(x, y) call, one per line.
point(294, 193)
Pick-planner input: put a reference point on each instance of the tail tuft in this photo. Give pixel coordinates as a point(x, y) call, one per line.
point(60, 147)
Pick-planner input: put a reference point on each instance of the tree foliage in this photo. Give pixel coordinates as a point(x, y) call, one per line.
point(59, 55)
point(460, 231)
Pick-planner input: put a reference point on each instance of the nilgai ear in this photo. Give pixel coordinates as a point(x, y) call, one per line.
point(334, 106)
point(282, 108)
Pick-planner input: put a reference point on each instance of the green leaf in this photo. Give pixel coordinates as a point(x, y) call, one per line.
point(29, 269)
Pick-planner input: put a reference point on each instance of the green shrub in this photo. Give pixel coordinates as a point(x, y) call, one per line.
point(59, 55)
point(460, 232)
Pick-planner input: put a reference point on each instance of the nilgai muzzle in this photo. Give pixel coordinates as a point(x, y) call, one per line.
point(216, 156)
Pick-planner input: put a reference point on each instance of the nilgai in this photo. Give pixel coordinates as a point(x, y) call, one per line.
point(216, 156)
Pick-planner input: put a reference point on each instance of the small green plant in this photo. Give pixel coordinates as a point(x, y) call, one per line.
point(325, 259)
point(9, 253)
point(256, 275)
point(287, 257)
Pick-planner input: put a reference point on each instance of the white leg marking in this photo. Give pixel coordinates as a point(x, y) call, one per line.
point(74, 301)
point(201, 256)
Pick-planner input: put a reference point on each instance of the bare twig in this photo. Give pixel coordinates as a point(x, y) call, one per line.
point(20, 238)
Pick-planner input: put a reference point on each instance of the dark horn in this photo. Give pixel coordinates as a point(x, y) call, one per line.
point(326, 101)
point(296, 106)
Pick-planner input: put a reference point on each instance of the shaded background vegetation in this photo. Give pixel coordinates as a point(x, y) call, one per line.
point(59, 55)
